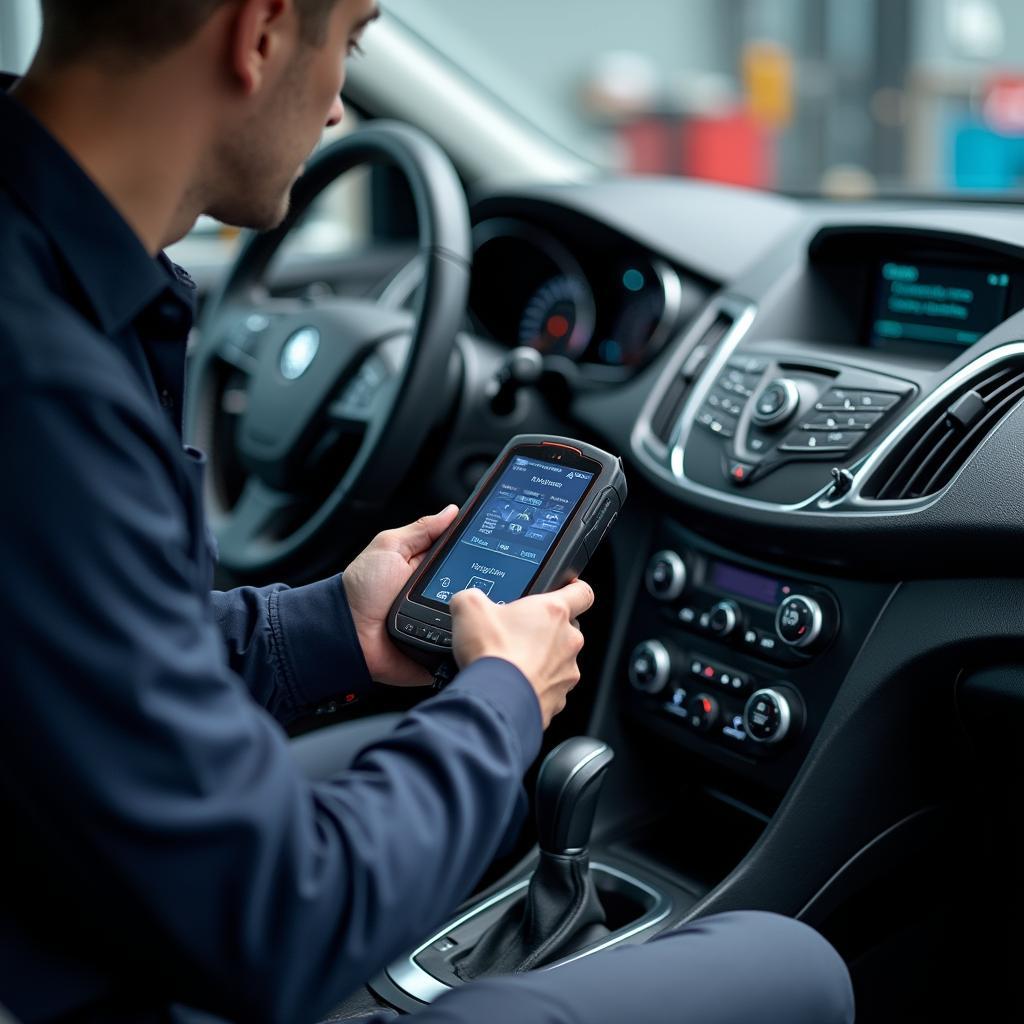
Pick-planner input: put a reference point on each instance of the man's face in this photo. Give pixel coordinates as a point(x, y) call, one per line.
point(259, 164)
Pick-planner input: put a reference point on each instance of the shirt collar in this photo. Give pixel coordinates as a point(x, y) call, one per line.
point(117, 276)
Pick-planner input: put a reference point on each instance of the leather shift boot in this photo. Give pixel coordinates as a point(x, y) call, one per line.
point(560, 914)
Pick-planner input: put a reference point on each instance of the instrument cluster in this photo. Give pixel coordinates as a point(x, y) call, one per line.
point(604, 305)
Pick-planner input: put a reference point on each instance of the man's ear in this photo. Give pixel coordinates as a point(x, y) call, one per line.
point(261, 31)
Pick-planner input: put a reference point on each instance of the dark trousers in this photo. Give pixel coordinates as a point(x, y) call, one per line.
point(739, 968)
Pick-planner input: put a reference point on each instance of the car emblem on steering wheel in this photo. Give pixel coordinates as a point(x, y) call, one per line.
point(299, 352)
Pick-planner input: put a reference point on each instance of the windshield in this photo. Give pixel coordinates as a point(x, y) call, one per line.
point(835, 97)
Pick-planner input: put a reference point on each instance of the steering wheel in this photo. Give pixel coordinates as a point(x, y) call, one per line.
point(311, 410)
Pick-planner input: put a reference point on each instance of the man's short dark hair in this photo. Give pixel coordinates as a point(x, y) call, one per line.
point(140, 30)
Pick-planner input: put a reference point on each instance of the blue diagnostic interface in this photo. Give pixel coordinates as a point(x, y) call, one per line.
point(502, 546)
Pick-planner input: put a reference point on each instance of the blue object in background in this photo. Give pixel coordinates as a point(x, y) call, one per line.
point(985, 159)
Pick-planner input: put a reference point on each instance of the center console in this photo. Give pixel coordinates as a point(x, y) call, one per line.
point(736, 660)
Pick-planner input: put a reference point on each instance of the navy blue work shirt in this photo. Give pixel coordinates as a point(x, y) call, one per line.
point(159, 845)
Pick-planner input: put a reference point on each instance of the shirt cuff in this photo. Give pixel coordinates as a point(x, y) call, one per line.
point(508, 691)
point(317, 648)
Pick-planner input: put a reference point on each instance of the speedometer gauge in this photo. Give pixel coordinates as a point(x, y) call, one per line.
point(559, 318)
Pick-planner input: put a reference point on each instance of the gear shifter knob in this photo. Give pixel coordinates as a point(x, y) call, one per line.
point(567, 790)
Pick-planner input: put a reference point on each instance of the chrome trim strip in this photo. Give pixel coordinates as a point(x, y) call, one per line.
point(648, 450)
point(424, 987)
point(853, 497)
point(416, 982)
point(672, 296)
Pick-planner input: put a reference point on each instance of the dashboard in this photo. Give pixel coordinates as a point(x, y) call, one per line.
point(821, 409)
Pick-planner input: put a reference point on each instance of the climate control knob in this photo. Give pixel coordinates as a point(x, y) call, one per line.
point(724, 617)
point(799, 621)
point(650, 666)
point(666, 576)
point(703, 711)
point(769, 716)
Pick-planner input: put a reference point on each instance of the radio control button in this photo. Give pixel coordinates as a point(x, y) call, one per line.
point(666, 576)
point(839, 400)
point(776, 403)
point(825, 441)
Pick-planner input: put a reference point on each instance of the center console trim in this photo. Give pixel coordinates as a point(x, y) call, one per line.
point(667, 463)
point(424, 987)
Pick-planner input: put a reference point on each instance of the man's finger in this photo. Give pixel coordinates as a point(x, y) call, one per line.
point(578, 596)
point(414, 539)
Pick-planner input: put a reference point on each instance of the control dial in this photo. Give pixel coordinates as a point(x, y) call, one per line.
point(776, 403)
point(703, 711)
point(666, 576)
point(650, 666)
point(724, 617)
point(799, 621)
point(769, 716)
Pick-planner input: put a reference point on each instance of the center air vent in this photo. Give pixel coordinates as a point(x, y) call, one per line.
point(937, 446)
point(671, 406)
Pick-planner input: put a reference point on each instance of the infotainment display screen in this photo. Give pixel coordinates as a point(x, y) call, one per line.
point(937, 303)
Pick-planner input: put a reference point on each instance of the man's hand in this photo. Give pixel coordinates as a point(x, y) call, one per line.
point(372, 583)
point(538, 634)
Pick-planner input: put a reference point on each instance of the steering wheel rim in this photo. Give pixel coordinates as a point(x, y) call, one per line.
point(400, 361)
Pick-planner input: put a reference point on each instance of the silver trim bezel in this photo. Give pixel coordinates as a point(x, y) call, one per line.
point(662, 665)
point(680, 574)
point(424, 987)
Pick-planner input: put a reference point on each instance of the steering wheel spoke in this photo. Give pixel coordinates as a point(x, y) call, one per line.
point(254, 520)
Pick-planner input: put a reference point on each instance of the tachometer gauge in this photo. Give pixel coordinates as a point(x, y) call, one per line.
point(559, 318)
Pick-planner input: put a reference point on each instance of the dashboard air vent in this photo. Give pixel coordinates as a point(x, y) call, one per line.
point(671, 406)
point(929, 456)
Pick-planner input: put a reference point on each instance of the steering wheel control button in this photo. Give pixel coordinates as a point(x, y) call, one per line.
point(776, 403)
point(799, 621)
point(666, 576)
point(767, 717)
point(724, 618)
point(703, 710)
point(650, 667)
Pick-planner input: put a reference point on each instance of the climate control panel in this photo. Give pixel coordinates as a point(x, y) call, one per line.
point(707, 696)
point(734, 661)
point(778, 620)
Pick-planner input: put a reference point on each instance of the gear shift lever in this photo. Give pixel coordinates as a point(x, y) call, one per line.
point(561, 911)
point(568, 786)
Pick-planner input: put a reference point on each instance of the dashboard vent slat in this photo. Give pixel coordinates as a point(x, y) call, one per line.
point(671, 407)
point(941, 443)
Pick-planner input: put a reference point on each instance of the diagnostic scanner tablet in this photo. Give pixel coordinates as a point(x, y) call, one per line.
point(530, 526)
